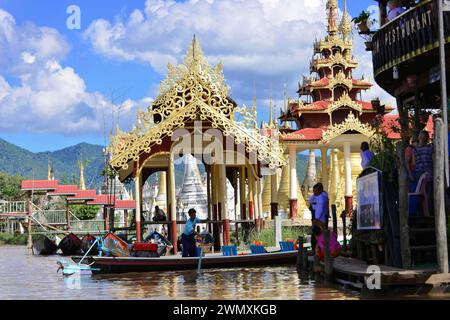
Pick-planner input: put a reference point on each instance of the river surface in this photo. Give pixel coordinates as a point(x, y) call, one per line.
point(26, 276)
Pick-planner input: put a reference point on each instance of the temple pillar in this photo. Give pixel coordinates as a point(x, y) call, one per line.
point(293, 181)
point(250, 195)
point(348, 180)
point(137, 186)
point(311, 173)
point(171, 204)
point(324, 167)
point(208, 197)
point(224, 205)
point(259, 198)
point(242, 198)
point(273, 195)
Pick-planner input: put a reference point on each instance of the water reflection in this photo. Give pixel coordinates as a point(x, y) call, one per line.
point(33, 277)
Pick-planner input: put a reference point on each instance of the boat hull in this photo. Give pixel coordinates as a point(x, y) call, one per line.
point(44, 247)
point(70, 245)
point(136, 264)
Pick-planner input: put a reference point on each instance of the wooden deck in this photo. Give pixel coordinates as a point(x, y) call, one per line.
point(354, 272)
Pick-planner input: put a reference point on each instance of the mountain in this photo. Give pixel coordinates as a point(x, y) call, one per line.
point(18, 161)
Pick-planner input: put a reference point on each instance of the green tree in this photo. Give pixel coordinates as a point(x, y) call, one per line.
point(84, 212)
point(10, 187)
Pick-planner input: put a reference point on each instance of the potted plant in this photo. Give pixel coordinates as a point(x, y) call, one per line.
point(363, 22)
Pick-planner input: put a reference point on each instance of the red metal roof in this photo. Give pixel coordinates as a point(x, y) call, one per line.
point(103, 199)
point(39, 184)
point(64, 190)
point(306, 134)
point(392, 127)
point(125, 204)
point(84, 195)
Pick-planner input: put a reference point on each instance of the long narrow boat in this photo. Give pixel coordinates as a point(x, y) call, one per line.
point(44, 246)
point(169, 263)
point(70, 245)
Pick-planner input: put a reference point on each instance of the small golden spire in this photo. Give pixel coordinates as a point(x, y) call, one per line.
point(345, 26)
point(82, 184)
point(50, 173)
point(286, 108)
point(271, 113)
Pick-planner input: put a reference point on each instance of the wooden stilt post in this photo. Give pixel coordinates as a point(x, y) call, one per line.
point(439, 196)
point(344, 230)
point(300, 253)
point(334, 217)
point(30, 238)
point(328, 260)
point(67, 214)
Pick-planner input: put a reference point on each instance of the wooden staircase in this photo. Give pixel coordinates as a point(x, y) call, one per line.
point(422, 237)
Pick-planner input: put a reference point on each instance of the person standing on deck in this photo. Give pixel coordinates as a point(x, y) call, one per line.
point(319, 211)
point(188, 235)
point(366, 155)
point(423, 158)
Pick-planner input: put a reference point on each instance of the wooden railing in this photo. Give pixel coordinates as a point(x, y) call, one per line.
point(13, 207)
point(91, 226)
point(409, 35)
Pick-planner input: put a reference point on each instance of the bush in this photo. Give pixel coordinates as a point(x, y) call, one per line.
point(83, 212)
point(6, 238)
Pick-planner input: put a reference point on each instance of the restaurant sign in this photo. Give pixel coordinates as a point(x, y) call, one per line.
point(412, 32)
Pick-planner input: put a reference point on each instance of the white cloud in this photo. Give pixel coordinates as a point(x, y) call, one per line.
point(48, 97)
point(266, 42)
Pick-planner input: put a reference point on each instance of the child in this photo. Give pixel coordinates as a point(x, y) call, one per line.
point(335, 247)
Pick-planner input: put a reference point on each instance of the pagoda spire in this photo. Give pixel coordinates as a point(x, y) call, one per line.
point(332, 7)
point(271, 113)
point(82, 184)
point(50, 172)
point(286, 108)
point(345, 26)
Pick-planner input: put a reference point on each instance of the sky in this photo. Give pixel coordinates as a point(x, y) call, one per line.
point(60, 85)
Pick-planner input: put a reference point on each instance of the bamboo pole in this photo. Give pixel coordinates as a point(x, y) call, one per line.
point(439, 196)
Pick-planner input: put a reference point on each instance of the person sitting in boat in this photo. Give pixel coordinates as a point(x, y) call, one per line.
point(159, 215)
point(188, 235)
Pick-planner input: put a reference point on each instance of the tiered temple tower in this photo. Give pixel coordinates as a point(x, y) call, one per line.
point(329, 112)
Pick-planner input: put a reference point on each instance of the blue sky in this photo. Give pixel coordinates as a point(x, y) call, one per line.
point(58, 86)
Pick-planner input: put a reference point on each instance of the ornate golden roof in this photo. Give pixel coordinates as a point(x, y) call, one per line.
point(193, 90)
point(351, 123)
point(345, 101)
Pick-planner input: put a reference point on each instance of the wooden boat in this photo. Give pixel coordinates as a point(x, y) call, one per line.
point(86, 242)
point(44, 246)
point(115, 246)
point(169, 263)
point(70, 244)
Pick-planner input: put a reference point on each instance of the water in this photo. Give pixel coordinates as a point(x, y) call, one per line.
point(25, 276)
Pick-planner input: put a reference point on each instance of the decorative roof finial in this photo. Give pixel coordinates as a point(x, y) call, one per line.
point(346, 25)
